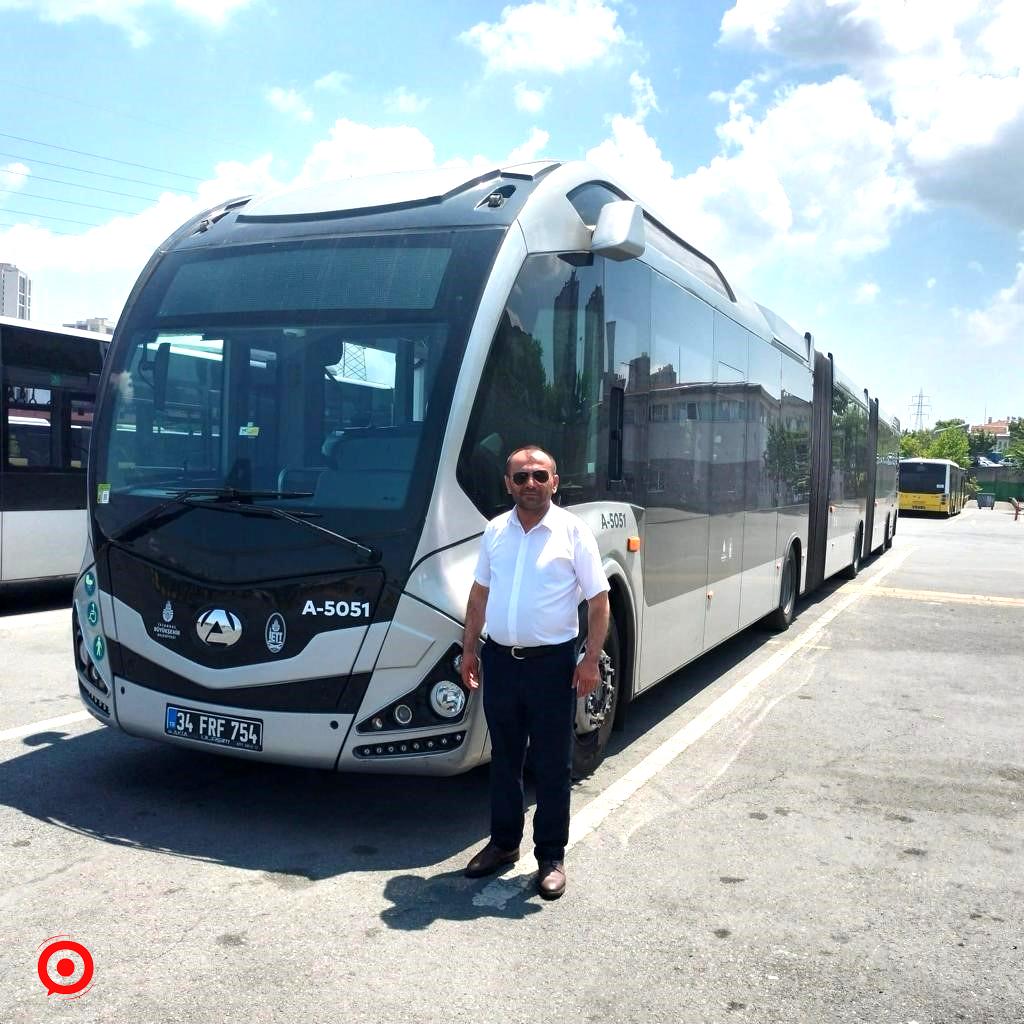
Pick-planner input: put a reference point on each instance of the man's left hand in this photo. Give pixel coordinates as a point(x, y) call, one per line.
point(586, 677)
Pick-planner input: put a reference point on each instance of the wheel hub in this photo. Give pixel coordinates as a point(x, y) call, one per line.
point(592, 711)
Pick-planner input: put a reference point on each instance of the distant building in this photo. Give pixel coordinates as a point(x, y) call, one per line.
point(15, 292)
point(94, 323)
point(1001, 430)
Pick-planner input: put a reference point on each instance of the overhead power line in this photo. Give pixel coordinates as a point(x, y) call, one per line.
point(66, 202)
point(47, 216)
point(90, 188)
point(99, 174)
point(22, 224)
point(97, 156)
point(122, 112)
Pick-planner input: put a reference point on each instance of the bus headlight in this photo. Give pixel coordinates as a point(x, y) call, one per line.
point(448, 699)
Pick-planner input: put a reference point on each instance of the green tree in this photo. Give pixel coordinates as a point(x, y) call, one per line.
point(946, 424)
point(980, 442)
point(914, 444)
point(950, 444)
point(1015, 450)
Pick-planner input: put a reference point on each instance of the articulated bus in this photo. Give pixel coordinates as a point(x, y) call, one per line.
point(932, 485)
point(287, 503)
point(50, 375)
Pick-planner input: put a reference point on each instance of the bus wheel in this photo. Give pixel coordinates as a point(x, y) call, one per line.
point(781, 618)
point(888, 536)
point(850, 572)
point(595, 713)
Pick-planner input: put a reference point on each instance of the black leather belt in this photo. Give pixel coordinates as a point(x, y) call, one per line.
point(522, 653)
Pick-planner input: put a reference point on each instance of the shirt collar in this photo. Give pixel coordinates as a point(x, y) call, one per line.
point(544, 521)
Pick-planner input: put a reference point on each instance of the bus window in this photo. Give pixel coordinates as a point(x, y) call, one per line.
point(544, 382)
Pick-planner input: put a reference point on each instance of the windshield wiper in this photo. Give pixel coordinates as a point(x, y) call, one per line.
point(372, 555)
point(181, 501)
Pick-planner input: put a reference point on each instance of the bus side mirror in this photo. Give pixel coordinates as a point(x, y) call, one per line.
point(619, 233)
point(161, 361)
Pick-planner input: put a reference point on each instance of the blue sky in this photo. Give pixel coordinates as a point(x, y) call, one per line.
point(856, 165)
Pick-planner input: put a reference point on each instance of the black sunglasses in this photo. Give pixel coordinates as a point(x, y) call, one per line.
point(541, 476)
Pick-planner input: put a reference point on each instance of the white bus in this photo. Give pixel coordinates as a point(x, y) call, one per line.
point(49, 388)
point(326, 382)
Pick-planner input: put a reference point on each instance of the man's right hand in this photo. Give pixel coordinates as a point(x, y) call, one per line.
point(470, 669)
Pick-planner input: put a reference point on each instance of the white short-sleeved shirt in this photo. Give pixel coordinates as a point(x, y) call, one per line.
point(536, 580)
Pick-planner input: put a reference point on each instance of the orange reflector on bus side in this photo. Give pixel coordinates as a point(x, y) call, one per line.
point(633, 544)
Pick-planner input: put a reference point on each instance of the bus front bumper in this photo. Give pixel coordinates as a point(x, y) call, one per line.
point(311, 740)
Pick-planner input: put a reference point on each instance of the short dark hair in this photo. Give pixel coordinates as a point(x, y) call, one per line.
point(531, 448)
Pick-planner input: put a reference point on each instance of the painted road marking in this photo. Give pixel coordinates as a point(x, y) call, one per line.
point(21, 731)
point(498, 892)
point(944, 596)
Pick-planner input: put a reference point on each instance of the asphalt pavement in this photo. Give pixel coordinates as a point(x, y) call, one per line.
point(817, 826)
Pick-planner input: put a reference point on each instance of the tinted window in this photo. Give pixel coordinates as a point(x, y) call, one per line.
point(49, 386)
point(588, 200)
point(789, 449)
point(763, 425)
point(681, 389)
point(628, 332)
point(544, 383)
point(849, 443)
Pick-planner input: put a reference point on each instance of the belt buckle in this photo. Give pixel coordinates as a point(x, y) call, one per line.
point(518, 657)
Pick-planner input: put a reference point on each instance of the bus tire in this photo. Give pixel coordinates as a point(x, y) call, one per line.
point(887, 543)
point(851, 571)
point(595, 713)
point(782, 617)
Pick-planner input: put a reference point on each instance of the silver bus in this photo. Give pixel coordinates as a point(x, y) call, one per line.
point(50, 375)
point(286, 503)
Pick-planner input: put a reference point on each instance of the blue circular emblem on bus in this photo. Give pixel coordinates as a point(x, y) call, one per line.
point(99, 648)
point(90, 583)
point(92, 613)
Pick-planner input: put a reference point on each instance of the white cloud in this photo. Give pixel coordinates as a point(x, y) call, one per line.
point(813, 176)
point(355, 149)
point(216, 12)
point(930, 283)
point(333, 81)
point(866, 293)
point(553, 36)
point(644, 100)
point(124, 14)
point(12, 177)
point(1002, 320)
point(289, 101)
point(401, 101)
point(949, 71)
point(530, 101)
point(115, 252)
point(531, 149)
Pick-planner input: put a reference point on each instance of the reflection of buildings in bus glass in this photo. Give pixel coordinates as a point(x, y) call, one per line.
point(723, 446)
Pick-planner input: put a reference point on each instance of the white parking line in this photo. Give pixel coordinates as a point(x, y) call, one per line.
point(588, 819)
point(21, 731)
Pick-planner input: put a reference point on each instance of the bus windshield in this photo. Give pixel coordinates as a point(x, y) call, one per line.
point(320, 368)
point(922, 478)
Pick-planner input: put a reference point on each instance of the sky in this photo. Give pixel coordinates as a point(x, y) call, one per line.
point(855, 165)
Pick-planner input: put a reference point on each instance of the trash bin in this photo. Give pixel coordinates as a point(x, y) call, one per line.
point(986, 500)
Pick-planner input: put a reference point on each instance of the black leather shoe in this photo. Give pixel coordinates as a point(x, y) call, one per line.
point(489, 860)
point(551, 879)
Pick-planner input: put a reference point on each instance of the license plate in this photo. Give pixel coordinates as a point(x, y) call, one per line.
point(223, 730)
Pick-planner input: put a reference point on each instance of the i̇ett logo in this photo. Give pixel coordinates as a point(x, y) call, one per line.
point(219, 628)
point(65, 967)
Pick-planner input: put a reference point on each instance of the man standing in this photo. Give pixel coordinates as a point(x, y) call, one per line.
point(535, 563)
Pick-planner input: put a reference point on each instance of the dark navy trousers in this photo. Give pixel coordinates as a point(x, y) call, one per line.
point(530, 700)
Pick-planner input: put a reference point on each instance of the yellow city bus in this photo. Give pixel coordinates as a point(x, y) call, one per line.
point(932, 485)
